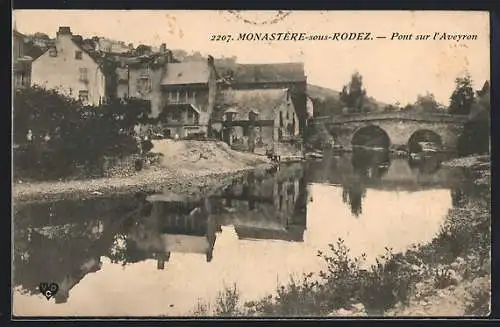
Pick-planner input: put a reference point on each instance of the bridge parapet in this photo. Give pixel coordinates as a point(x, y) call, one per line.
point(347, 118)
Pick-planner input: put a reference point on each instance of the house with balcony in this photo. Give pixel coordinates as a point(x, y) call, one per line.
point(21, 63)
point(72, 68)
point(255, 119)
point(188, 90)
point(289, 76)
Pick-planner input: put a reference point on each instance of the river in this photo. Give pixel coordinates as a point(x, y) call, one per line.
point(157, 255)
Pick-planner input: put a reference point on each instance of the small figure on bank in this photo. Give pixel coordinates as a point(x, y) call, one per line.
point(29, 136)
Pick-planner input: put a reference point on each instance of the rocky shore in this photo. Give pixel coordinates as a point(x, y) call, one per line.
point(187, 167)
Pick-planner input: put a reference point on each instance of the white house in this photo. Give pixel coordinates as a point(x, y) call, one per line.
point(71, 69)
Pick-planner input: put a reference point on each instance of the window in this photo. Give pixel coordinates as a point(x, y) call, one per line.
point(187, 96)
point(83, 96)
point(194, 96)
point(83, 75)
point(144, 85)
point(190, 115)
point(53, 52)
point(176, 115)
point(78, 55)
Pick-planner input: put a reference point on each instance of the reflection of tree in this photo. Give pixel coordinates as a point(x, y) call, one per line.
point(370, 164)
point(353, 196)
point(44, 258)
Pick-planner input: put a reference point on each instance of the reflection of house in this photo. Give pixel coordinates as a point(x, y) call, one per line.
point(269, 76)
point(71, 68)
point(267, 207)
point(20, 62)
point(176, 226)
point(189, 92)
point(257, 118)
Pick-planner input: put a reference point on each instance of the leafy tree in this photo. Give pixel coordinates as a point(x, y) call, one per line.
point(476, 137)
point(427, 103)
point(77, 134)
point(327, 106)
point(353, 95)
point(462, 97)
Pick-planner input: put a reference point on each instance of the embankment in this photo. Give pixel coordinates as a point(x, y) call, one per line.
point(186, 167)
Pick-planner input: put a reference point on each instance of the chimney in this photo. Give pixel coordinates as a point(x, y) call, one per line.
point(64, 30)
point(163, 48)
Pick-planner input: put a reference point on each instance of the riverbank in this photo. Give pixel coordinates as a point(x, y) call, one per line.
point(186, 167)
point(449, 276)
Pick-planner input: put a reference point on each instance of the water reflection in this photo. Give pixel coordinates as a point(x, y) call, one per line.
point(264, 220)
point(371, 168)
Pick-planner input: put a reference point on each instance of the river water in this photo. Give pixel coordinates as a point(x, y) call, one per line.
point(157, 255)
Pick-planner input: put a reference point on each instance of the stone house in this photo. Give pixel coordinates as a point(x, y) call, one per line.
point(72, 68)
point(289, 76)
point(21, 64)
point(176, 224)
point(188, 90)
point(254, 119)
point(140, 77)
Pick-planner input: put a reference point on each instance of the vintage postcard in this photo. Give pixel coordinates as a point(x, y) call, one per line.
point(247, 164)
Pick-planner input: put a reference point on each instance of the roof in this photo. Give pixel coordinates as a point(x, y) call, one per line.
point(18, 34)
point(263, 73)
point(187, 73)
point(263, 101)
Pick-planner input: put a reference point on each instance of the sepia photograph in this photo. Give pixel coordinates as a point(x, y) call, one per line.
point(223, 163)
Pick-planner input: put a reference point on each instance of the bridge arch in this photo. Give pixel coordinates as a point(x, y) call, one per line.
point(371, 135)
point(423, 135)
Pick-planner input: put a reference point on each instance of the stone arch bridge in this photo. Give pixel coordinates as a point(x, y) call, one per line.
point(394, 129)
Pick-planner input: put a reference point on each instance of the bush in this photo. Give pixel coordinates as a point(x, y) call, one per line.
point(80, 136)
point(343, 283)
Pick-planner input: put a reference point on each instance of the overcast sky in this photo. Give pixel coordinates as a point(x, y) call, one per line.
point(393, 71)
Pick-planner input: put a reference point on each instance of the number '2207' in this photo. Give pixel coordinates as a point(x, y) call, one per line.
point(219, 37)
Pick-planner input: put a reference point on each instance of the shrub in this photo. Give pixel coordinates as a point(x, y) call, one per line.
point(442, 278)
point(79, 135)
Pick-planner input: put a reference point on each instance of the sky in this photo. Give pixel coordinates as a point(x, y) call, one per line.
point(393, 70)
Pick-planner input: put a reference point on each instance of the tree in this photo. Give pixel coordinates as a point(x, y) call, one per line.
point(427, 103)
point(353, 95)
point(476, 137)
point(462, 97)
point(327, 106)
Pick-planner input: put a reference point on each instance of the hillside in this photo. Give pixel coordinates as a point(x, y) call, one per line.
point(319, 92)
